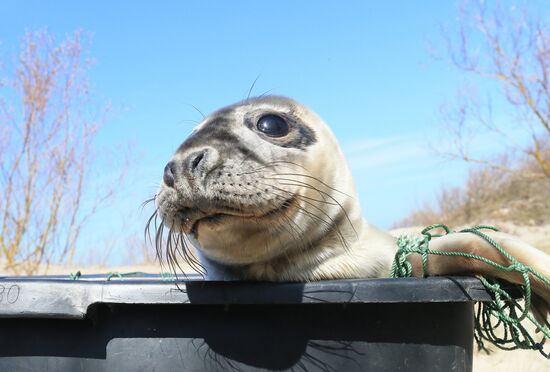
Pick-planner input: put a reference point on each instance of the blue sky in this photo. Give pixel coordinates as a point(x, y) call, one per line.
point(364, 66)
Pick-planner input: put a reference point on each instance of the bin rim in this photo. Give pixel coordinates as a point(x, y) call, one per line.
point(59, 297)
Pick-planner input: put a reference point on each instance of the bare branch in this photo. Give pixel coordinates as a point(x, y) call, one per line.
point(511, 48)
point(46, 150)
point(506, 52)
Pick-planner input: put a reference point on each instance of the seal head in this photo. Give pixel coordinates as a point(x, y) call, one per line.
point(261, 186)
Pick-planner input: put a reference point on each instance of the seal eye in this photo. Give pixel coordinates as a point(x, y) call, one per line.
point(273, 126)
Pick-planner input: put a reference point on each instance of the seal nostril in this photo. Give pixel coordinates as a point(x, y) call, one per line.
point(197, 161)
point(169, 174)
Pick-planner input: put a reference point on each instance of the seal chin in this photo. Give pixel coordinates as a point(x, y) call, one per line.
point(191, 219)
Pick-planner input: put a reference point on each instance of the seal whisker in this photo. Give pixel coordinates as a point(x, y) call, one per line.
point(315, 179)
point(196, 109)
point(169, 258)
point(150, 200)
point(324, 201)
point(189, 121)
point(270, 165)
point(158, 242)
point(266, 92)
point(305, 199)
point(172, 253)
point(147, 231)
point(292, 225)
point(303, 184)
point(293, 182)
point(189, 257)
point(177, 246)
point(252, 87)
point(330, 225)
point(291, 163)
point(172, 263)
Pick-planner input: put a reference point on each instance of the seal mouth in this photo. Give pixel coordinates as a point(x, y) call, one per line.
point(192, 218)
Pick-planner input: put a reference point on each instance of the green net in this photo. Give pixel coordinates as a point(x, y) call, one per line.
point(499, 321)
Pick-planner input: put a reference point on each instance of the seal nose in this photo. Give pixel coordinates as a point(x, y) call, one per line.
point(190, 168)
point(169, 174)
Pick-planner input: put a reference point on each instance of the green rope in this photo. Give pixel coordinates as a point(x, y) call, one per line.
point(115, 274)
point(75, 276)
point(505, 311)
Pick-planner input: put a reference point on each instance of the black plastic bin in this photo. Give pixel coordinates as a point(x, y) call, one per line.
point(147, 324)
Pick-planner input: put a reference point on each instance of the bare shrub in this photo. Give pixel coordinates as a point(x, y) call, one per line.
point(490, 195)
point(510, 49)
point(48, 126)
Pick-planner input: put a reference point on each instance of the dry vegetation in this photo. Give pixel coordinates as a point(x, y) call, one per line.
point(490, 195)
point(48, 124)
point(507, 52)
